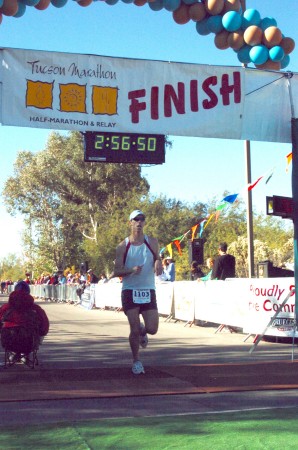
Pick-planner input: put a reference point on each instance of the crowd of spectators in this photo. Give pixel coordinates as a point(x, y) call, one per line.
point(58, 278)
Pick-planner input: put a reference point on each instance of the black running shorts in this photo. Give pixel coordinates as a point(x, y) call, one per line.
point(127, 301)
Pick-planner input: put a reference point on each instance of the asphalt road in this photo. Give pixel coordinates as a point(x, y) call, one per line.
point(99, 339)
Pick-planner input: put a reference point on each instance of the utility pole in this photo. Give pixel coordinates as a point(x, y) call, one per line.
point(249, 212)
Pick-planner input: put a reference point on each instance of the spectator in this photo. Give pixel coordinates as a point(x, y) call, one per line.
point(195, 271)
point(91, 277)
point(224, 265)
point(20, 301)
point(103, 278)
point(27, 279)
point(209, 263)
point(170, 270)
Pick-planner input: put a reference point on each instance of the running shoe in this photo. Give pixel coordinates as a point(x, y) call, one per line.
point(137, 368)
point(143, 338)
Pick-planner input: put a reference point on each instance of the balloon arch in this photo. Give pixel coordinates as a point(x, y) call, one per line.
point(254, 39)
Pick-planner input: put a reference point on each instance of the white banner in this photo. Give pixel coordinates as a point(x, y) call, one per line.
point(97, 93)
point(264, 297)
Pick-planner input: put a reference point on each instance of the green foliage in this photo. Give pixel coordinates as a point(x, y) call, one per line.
point(76, 211)
point(12, 268)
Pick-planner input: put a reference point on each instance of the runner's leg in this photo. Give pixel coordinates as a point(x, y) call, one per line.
point(151, 320)
point(134, 336)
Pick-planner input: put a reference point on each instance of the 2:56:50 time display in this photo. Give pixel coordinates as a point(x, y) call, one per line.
point(125, 142)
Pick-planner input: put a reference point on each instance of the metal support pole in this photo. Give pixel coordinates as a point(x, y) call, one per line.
point(249, 213)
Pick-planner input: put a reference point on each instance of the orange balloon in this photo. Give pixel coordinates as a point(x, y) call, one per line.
point(269, 65)
point(221, 40)
point(42, 4)
point(9, 7)
point(287, 44)
point(231, 5)
point(214, 7)
point(253, 35)
point(140, 2)
point(1, 17)
point(197, 12)
point(272, 36)
point(181, 15)
point(236, 40)
point(85, 2)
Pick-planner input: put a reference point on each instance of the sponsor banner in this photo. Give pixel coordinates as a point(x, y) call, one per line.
point(88, 297)
point(264, 298)
point(70, 91)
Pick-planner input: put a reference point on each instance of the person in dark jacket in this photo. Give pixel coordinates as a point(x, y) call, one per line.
point(224, 265)
point(20, 301)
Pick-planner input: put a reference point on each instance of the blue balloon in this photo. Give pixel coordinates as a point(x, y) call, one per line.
point(268, 22)
point(171, 5)
point(1, 3)
point(231, 21)
point(276, 53)
point(28, 2)
point(111, 2)
point(243, 54)
point(214, 23)
point(285, 62)
point(21, 10)
point(157, 5)
point(59, 3)
point(202, 27)
point(250, 17)
point(259, 54)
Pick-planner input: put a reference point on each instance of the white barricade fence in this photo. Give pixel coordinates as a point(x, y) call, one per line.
point(60, 292)
point(264, 296)
point(220, 302)
point(184, 300)
point(108, 295)
point(240, 302)
point(164, 297)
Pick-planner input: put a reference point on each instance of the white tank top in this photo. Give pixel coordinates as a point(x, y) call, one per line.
point(138, 255)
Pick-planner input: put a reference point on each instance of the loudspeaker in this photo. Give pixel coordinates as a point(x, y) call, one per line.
point(196, 251)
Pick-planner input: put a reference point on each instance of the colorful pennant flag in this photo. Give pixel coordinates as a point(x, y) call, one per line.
point(170, 250)
point(252, 185)
point(289, 160)
point(177, 243)
point(194, 231)
point(230, 198)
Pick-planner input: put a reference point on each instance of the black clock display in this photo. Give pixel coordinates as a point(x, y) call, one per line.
point(124, 147)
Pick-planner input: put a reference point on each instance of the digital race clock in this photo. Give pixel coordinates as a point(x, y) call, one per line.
point(124, 147)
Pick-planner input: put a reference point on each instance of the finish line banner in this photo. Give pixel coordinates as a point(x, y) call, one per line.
point(68, 91)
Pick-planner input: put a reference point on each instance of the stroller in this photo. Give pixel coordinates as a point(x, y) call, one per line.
point(21, 342)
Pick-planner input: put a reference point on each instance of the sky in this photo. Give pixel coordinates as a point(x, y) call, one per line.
point(196, 169)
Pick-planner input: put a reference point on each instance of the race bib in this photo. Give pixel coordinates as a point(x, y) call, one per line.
point(141, 296)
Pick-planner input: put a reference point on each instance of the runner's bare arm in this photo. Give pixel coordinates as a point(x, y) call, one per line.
point(157, 264)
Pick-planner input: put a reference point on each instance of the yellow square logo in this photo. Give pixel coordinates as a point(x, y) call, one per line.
point(73, 98)
point(104, 100)
point(39, 94)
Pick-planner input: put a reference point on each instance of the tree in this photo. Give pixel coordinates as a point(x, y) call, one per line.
point(12, 268)
point(66, 199)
